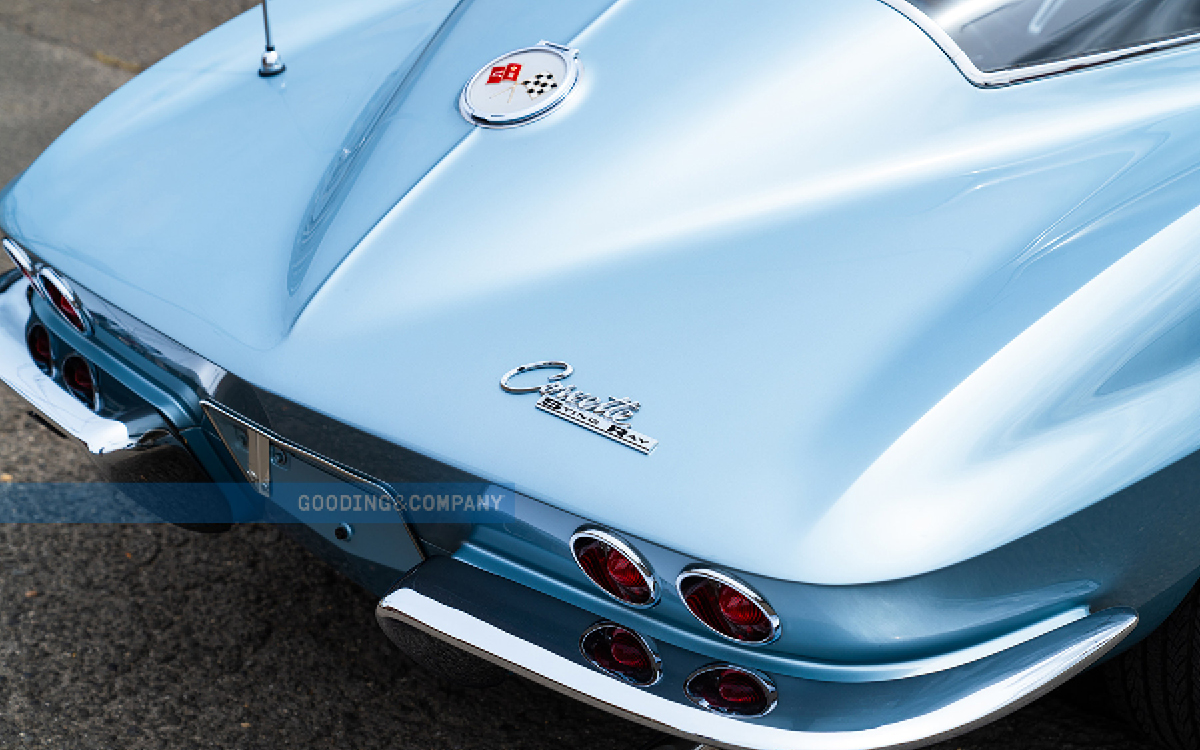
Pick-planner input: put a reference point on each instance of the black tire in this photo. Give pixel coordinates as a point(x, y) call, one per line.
point(1156, 684)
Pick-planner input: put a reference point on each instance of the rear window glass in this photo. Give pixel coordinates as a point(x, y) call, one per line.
point(1004, 34)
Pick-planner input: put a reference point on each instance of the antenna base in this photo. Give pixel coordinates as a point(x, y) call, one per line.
point(272, 65)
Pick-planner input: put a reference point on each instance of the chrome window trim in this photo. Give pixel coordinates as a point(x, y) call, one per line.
point(1028, 72)
point(656, 661)
point(742, 588)
point(766, 683)
point(639, 562)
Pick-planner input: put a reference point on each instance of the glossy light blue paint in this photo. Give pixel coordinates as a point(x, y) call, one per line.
point(881, 321)
point(278, 178)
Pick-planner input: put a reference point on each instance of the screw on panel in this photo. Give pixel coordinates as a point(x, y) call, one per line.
point(344, 532)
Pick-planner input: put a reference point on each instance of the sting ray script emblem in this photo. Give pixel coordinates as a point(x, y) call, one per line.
point(605, 417)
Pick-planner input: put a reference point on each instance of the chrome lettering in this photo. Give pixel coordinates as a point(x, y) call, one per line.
point(605, 417)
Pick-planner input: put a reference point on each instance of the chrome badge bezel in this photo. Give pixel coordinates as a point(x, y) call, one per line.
point(477, 114)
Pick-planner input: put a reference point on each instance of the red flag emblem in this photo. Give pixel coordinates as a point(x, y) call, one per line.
point(502, 73)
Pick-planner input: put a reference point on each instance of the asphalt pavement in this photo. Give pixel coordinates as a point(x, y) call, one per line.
point(148, 636)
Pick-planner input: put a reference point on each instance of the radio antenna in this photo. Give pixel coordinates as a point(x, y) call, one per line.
point(272, 64)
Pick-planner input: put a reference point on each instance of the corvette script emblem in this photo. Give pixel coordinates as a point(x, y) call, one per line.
point(605, 417)
point(521, 86)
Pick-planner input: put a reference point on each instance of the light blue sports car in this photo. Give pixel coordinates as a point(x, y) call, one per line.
point(797, 374)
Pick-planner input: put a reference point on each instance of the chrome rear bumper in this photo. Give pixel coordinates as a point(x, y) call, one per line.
point(48, 398)
point(538, 636)
point(136, 447)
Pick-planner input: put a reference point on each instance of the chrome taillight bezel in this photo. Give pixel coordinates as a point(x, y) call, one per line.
point(620, 545)
point(655, 660)
point(48, 369)
point(768, 686)
point(51, 278)
point(742, 588)
point(22, 261)
point(94, 404)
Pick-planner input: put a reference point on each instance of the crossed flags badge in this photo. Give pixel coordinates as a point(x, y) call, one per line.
point(539, 84)
point(534, 87)
point(502, 73)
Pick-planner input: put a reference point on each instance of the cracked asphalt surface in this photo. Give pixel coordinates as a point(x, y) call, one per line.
point(148, 636)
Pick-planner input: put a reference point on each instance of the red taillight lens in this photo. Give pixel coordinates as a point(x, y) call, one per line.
point(63, 299)
point(623, 572)
point(731, 690)
point(728, 607)
point(622, 653)
point(78, 378)
point(739, 610)
point(38, 342)
point(615, 567)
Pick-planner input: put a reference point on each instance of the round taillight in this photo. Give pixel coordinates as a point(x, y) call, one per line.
point(727, 689)
point(621, 653)
point(728, 606)
point(615, 567)
point(60, 294)
point(79, 379)
point(38, 342)
point(21, 260)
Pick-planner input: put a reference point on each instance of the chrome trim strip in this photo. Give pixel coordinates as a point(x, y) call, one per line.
point(616, 542)
point(742, 588)
point(321, 462)
point(656, 661)
point(259, 469)
point(148, 343)
point(262, 474)
point(159, 349)
point(941, 706)
point(1030, 72)
point(763, 681)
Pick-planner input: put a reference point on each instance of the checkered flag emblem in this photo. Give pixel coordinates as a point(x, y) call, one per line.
point(539, 84)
